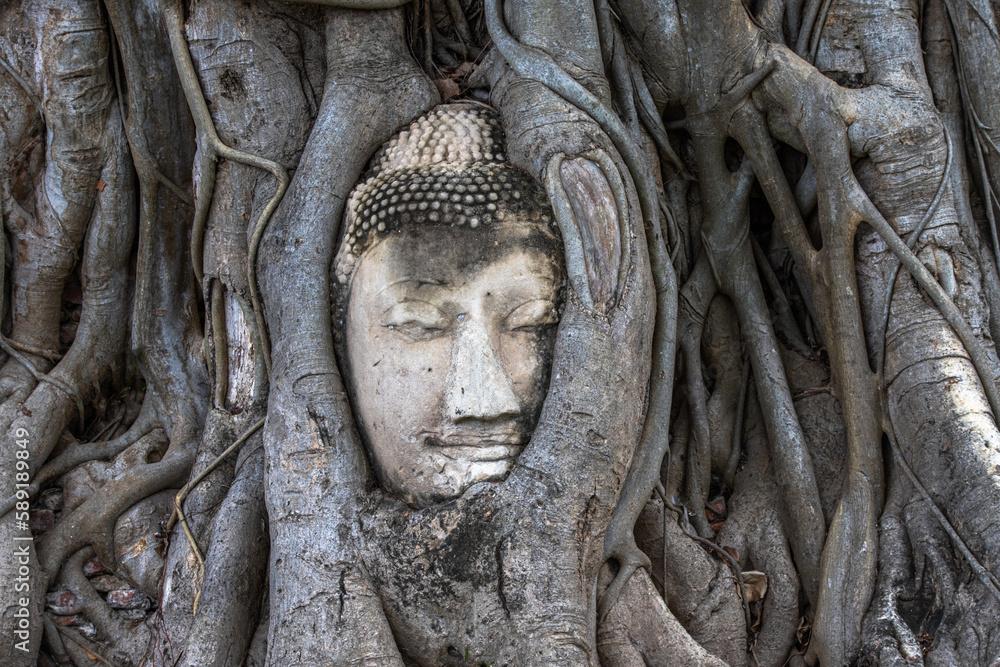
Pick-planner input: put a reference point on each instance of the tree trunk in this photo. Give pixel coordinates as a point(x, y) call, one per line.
point(770, 423)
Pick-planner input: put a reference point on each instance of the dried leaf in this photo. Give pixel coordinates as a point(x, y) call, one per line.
point(464, 69)
point(447, 87)
point(755, 584)
point(803, 631)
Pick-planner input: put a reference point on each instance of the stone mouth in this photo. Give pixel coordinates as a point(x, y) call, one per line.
point(491, 446)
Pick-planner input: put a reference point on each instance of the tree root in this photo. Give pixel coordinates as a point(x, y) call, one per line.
point(965, 38)
point(51, 355)
point(989, 579)
point(93, 522)
point(786, 319)
point(722, 350)
point(950, 312)
point(70, 391)
point(81, 650)
point(654, 123)
point(846, 583)
point(54, 643)
point(695, 298)
point(911, 243)
point(145, 165)
point(212, 148)
point(682, 520)
point(71, 458)
point(178, 513)
point(235, 570)
point(641, 632)
point(80, 131)
point(729, 476)
point(535, 64)
point(115, 629)
point(754, 532)
point(460, 22)
point(102, 332)
point(25, 86)
point(726, 237)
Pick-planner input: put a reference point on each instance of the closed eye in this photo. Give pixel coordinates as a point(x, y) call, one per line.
point(531, 315)
point(417, 330)
point(415, 319)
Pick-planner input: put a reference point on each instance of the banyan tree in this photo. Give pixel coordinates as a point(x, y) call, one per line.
point(504, 332)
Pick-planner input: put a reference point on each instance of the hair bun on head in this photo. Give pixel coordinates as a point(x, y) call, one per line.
point(454, 135)
point(448, 167)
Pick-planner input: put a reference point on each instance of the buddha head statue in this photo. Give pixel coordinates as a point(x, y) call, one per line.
point(447, 290)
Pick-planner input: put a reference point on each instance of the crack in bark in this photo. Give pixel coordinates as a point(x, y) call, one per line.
point(498, 555)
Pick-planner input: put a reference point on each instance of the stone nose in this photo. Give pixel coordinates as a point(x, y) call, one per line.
point(478, 386)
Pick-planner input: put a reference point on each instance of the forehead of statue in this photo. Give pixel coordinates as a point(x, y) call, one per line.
point(446, 255)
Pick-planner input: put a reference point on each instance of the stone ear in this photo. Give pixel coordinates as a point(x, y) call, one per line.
point(586, 196)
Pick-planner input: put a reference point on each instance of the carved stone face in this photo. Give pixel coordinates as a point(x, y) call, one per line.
point(449, 334)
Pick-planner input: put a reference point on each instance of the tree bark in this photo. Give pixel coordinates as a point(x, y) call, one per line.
point(770, 432)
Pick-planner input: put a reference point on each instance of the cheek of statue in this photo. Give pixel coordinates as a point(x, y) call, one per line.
point(448, 368)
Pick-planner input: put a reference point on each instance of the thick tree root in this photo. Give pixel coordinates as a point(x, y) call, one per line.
point(753, 530)
point(988, 578)
point(701, 583)
point(71, 458)
point(235, 568)
point(178, 513)
point(641, 631)
point(93, 522)
point(309, 421)
point(537, 65)
point(212, 148)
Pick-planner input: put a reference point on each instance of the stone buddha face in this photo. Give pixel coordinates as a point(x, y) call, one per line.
point(448, 323)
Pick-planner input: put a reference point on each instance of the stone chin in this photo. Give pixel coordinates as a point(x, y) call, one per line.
point(446, 476)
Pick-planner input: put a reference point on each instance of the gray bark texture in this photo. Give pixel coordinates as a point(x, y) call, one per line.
point(770, 434)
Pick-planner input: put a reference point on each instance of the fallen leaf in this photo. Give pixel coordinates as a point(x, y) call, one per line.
point(755, 585)
point(447, 87)
point(464, 69)
point(716, 513)
point(802, 632)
